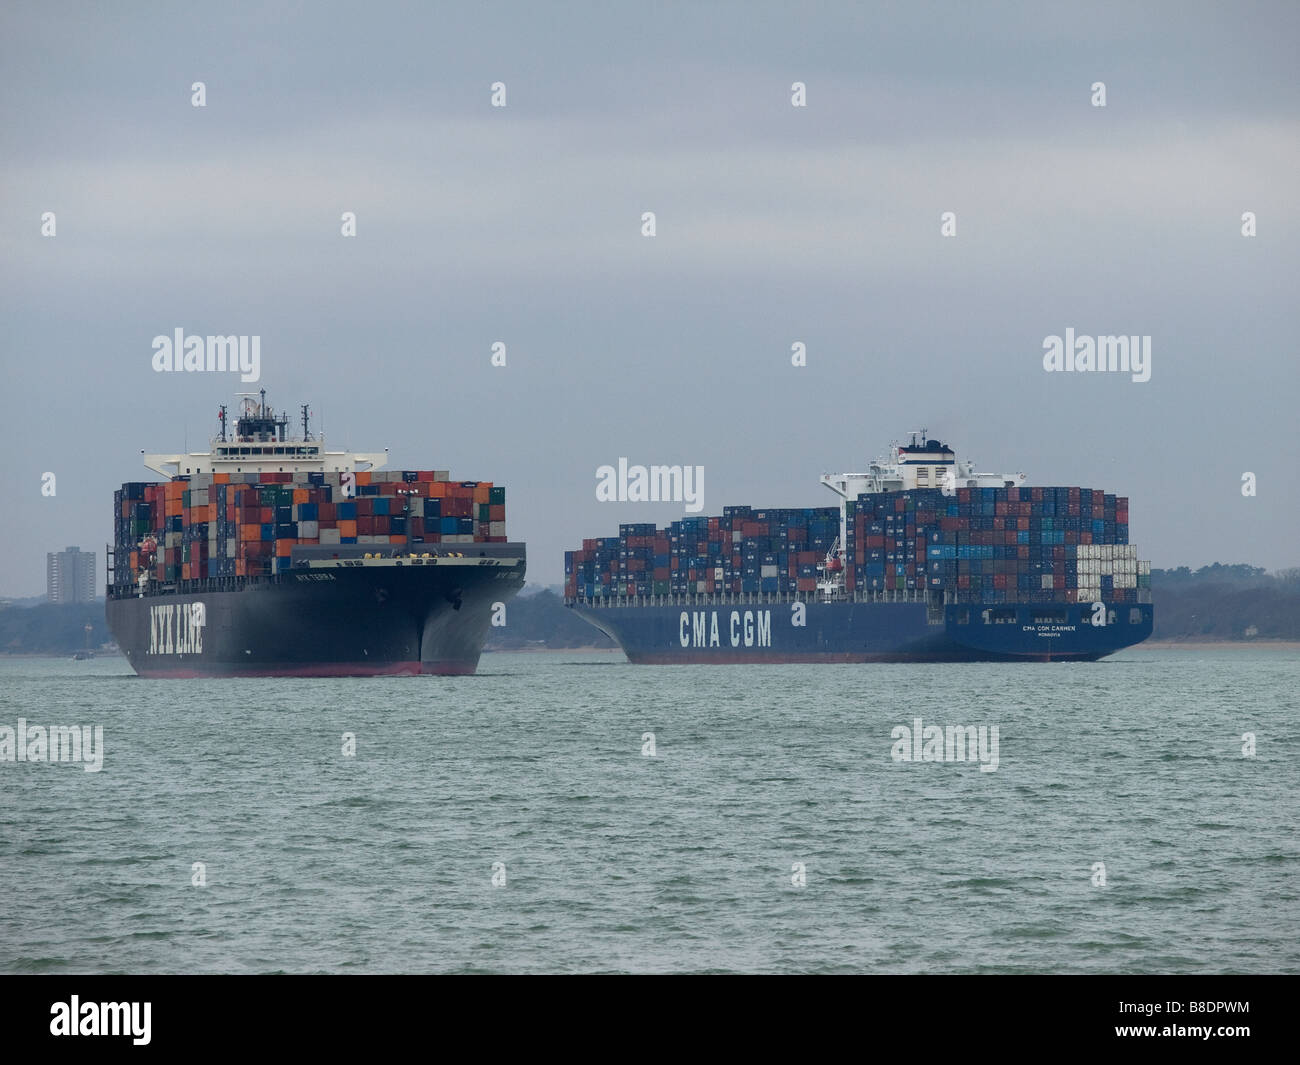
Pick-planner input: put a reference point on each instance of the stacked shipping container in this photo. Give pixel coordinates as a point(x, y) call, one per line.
point(742, 551)
point(246, 524)
point(977, 545)
point(995, 545)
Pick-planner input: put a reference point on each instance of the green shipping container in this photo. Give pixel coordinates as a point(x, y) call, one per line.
point(484, 512)
point(497, 495)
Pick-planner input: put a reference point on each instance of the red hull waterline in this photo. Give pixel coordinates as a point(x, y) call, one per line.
point(322, 669)
point(794, 658)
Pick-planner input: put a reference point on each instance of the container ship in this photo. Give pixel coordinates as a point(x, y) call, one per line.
point(270, 556)
point(923, 560)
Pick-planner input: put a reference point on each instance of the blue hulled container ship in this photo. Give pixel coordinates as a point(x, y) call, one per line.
point(923, 560)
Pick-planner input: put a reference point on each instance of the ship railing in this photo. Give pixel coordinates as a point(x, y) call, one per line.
point(946, 597)
point(193, 587)
point(898, 595)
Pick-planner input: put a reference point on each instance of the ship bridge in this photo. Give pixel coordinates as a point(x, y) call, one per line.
point(924, 463)
point(259, 444)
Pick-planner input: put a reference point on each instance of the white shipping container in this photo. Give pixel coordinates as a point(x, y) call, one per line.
point(497, 528)
point(329, 536)
point(767, 571)
point(308, 530)
point(365, 539)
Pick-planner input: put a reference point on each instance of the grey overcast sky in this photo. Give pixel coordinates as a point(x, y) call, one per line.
point(775, 224)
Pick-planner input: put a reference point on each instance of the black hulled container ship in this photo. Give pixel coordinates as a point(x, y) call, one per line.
point(924, 559)
point(267, 556)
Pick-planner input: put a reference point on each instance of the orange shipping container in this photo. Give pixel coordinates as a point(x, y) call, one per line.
point(483, 493)
point(300, 495)
point(438, 489)
point(221, 478)
point(348, 527)
point(239, 567)
point(284, 546)
point(363, 476)
point(250, 532)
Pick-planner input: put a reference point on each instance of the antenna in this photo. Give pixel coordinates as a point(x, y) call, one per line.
point(306, 434)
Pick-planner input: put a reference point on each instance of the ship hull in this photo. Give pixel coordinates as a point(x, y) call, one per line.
point(326, 618)
point(810, 631)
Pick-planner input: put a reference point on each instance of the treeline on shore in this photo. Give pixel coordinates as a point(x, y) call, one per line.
point(1218, 602)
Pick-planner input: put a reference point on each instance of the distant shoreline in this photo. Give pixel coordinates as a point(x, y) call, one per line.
point(1227, 645)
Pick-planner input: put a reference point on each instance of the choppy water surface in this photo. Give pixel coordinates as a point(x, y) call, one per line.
point(685, 861)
